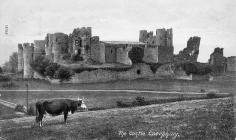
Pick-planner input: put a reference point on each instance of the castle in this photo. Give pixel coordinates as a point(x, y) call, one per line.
point(81, 45)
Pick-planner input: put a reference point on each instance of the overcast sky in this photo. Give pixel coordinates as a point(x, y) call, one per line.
point(213, 20)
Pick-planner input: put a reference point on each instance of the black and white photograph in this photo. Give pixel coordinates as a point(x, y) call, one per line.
point(117, 70)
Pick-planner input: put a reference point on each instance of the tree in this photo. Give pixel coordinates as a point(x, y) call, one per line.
point(11, 65)
point(51, 69)
point(39, 64)
point(63, 73)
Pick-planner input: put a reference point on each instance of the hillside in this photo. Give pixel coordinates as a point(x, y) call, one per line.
point(199, 119)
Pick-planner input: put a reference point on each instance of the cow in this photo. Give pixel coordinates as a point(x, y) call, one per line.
point(56, 107)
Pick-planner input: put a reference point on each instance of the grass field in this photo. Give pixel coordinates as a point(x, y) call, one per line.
point(200, 119)
point(8, 113)
point(187, 120)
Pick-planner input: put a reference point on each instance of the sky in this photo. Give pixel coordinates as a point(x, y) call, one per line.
point(120, 20)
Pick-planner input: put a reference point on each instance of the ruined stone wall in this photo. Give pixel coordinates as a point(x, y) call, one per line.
point(81, 44)
point(70, 44)
point(97, 50)
point(20, 58)
point(165, 54)
point(231, 64)
point(49, 45)
point(86, 47)
point(169, 37)
point(137, 71)
point(39, 48)
point(60, 45)
point(144, 35)
point(217, 58)
point(110, 53)
point(190, 53)
point(122, 54)
point(161, 37)
point(77, 44)
point(150, 54)
point(152, 40)
point(28, 53)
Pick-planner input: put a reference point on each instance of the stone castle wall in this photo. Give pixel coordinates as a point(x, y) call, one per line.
point(231, 64)
point(217, 58)
point(110, 53)
point(122, 54)
point(150, 54)
point(97, 50)
point(39, 48)
point(144, 35)
point(20, 58)
point(165, 54)
point(159, 48)
point(60, 45)
point(28, 54)
point(136, 72)
point(49, 45)
point(190, 53)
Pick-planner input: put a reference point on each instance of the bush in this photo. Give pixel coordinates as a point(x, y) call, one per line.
point(64, 74)
point(211, 94)
point(20, 108)
point(39, 64)
point(4, 78)
point(51, 69)
point(140, 100)
point(122, 104)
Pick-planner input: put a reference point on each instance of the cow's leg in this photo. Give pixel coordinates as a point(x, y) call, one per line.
point(65, 115)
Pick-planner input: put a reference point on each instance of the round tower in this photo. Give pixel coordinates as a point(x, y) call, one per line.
point(49, 44)
point(28, 52)
point(20, 58)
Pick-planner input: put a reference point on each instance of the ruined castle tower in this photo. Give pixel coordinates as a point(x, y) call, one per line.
point(49, 45)
point(190, 53)
point(159, 48)
point(144, 35)
point(28, 52)
point(81, 44)
point(60, 45)
point(231, 64)
point(39, 48)
point(164, 37)
point(20, 58)
point(217, 58)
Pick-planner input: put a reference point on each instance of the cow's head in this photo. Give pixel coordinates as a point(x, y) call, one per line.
point(82, 105)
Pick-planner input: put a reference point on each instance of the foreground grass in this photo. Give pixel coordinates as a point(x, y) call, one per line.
point(199, 119)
